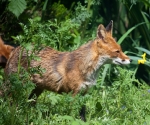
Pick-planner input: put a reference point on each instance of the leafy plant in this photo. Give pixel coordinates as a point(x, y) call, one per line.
point(121, 103)
point(17, 7)
point(118, 97)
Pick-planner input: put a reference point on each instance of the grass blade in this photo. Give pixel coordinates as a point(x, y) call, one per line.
point(128, 32)
point(143, 49)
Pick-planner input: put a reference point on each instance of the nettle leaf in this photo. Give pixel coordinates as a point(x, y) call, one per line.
point(28, 46)
point(17, 7)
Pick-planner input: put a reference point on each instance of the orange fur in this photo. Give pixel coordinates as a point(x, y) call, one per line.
point(71, 71)
point(5, 50)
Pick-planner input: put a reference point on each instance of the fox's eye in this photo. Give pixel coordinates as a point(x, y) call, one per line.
point(117, 51)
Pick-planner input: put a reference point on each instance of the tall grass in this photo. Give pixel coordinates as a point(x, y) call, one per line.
point(118, 98)
point(126, 101)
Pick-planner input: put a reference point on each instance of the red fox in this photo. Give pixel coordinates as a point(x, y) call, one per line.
point(71, 71)
point(5, 51)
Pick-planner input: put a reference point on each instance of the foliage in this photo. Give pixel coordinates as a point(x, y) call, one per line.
point(121, 103)
point(17, 7)
point(118, 98)
point(51, 33)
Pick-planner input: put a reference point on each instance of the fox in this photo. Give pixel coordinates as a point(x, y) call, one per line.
point(5, 51)
point(73, 71)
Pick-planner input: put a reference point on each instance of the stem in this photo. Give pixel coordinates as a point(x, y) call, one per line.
point(19, 61)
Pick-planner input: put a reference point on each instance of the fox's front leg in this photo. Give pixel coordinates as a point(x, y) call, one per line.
point(82, 113)
point(36, 91)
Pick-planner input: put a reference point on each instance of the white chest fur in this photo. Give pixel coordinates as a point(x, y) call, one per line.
point(91, 76)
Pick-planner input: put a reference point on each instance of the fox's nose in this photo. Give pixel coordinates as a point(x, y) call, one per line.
point(125, 60)
point(130, 60)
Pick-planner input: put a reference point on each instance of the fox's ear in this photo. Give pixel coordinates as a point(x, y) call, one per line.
point(109, 27)
point(101, 32)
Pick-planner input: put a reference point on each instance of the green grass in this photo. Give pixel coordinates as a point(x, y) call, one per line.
point(125, 102)
point(117, 99)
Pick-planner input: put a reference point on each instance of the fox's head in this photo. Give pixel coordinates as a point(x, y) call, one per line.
point(108, 47)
